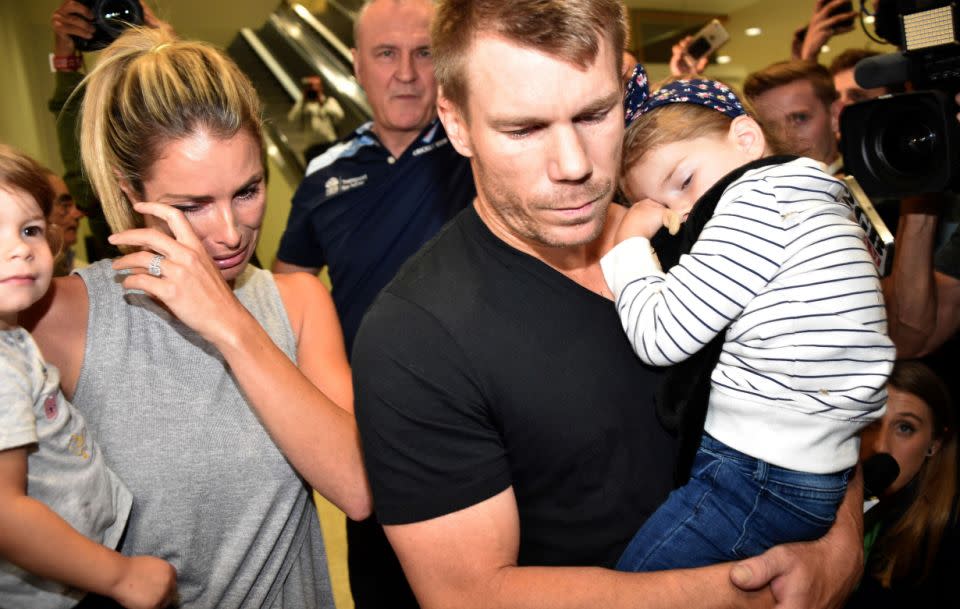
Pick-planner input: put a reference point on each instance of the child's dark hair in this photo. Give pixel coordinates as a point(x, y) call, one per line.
point(20, 172)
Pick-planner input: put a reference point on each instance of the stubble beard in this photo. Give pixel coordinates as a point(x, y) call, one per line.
point(515, 213)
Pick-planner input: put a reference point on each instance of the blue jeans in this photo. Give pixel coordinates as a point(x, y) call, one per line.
point(734, 507)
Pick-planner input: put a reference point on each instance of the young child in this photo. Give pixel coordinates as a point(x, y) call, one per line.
point(780, 270)
point(58, 500)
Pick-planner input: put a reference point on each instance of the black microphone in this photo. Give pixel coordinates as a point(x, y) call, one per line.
point(882, 70)
point(879, 472)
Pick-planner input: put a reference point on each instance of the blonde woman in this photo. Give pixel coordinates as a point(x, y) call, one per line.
point(220, 393)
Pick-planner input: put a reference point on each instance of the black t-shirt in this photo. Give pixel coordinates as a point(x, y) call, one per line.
point(479, 368)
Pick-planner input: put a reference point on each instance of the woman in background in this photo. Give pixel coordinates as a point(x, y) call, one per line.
point(912, 539)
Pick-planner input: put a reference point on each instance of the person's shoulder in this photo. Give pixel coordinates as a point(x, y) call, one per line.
point(787, 179)
point(301, 294)
point(448, 269)
point(343, 152)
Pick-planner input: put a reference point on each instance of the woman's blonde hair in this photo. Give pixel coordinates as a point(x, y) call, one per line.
point(148, 89)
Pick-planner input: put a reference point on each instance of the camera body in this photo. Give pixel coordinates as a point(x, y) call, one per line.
point(908, 143)
point(110, 18)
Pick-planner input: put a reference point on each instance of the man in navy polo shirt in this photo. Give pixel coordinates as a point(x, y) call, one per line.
point(368, 203)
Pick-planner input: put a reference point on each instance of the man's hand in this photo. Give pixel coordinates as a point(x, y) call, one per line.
point(824, 26)
point(151, 20)
point(71, 19)
point(812, 575)
point(75, 19)
point(681, 64)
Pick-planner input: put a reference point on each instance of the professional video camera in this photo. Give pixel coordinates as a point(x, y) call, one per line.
point(110, 18)
point(908, 143)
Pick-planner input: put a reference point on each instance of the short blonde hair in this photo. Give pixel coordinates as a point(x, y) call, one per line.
point(147, 89)
point(572, 30)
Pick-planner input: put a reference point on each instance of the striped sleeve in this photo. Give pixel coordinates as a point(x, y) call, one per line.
point(670, 316)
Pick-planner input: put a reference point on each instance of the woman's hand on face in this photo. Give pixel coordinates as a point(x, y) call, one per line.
point(188, 283)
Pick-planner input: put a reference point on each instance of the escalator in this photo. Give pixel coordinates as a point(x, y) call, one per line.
point(293, 44)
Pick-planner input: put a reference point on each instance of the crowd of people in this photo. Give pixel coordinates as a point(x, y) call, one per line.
point(592, 341)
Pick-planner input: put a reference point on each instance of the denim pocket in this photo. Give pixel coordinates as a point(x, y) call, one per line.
point(812, 497)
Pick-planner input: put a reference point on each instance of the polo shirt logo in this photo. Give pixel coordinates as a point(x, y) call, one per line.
point(335, 185)
point(429, 147)
point(332, 186)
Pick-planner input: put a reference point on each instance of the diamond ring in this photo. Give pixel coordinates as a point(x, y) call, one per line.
point(154, 268)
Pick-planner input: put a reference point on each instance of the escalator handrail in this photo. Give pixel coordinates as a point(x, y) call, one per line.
point(272, 64)
point(324, 33)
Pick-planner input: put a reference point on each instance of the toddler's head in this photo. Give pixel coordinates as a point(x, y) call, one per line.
point(26, 263)
point(682, 138)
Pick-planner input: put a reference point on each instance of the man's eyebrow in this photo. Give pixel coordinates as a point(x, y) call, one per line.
point(595, 106)
point(602, 104)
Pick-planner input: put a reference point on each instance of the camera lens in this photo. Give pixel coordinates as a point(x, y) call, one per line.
point(902, 144)
point(908, 146)
point(115, 15)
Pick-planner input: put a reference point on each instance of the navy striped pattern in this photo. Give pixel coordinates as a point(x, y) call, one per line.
point(783, 263)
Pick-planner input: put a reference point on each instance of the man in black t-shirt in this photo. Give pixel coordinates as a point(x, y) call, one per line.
point(508, 430)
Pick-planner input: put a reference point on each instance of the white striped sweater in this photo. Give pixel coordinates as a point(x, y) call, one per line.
point(806, 355)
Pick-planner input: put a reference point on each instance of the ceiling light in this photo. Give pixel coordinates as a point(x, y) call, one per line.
point(825, 49)
point(753, 31)
point(869, 19)
point(722, 59)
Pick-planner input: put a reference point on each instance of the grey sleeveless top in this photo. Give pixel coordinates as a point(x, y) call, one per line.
point(212, 493)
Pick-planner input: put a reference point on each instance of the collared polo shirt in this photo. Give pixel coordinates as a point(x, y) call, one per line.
point(362, 212)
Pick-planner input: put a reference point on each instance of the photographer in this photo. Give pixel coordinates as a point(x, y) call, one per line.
point(830, 17)
point(923, 291)
point(71, 19)
point(317, 115)
point(899, 147)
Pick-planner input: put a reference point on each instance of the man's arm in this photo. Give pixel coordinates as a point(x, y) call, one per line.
point(280, 266)
point(922, 303)
point(468, 559)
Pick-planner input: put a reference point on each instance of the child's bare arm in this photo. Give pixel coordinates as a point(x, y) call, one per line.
point(35, 538)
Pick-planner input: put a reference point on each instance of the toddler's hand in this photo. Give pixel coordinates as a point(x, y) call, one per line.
point(643, 219)
point(146, 583)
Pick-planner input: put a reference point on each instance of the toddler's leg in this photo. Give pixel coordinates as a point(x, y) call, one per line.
point(699, 523)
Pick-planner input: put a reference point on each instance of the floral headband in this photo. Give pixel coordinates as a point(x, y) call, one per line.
point(708, 93)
